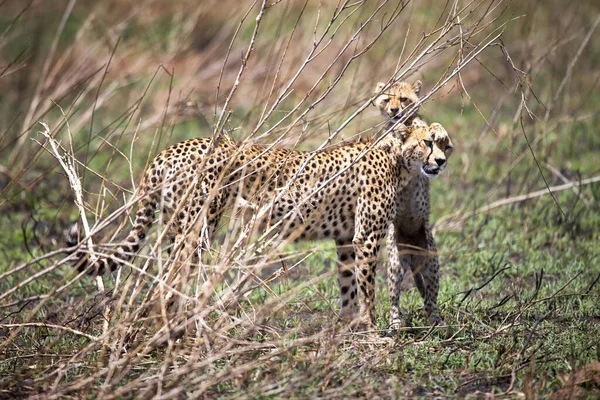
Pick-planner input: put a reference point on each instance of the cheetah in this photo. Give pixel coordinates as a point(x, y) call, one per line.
point(347, 193)
point(399, 102)
point(411, 230)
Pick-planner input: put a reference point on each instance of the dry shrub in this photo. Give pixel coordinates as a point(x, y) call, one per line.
point(122, 81)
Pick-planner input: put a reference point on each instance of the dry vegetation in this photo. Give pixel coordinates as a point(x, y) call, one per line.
point(91, 91)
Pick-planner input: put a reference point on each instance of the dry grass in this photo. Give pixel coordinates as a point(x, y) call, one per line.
point(114, 84)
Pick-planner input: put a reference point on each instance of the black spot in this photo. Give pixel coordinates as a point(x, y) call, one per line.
point(101, 265)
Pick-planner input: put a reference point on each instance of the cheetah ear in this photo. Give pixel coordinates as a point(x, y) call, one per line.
point(401, 131)
point(417, 87)
point(437, 131)
point(379, 87)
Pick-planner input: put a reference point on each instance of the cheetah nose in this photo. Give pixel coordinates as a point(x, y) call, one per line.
point(394, 110)
point(440, 161)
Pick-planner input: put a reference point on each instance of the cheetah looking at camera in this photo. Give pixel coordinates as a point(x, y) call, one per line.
point(347, 193)
point(398, 102)
point(410, 242)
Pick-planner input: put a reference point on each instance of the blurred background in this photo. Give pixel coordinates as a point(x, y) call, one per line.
point(117, 81)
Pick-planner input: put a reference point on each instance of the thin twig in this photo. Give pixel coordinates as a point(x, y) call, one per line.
point(460, 217)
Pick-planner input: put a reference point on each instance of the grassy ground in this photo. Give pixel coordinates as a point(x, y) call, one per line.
point(115, 84)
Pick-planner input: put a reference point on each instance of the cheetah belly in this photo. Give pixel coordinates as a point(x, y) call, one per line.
point(324, 216)
point(314, 209)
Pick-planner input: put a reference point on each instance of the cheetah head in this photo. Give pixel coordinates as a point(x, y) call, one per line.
point(397, 100)
point(426, 148)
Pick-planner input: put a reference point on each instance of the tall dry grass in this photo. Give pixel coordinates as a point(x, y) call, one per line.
point(113, 83)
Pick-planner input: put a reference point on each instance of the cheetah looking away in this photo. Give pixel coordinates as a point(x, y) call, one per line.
point(410, 242)
point(346, 193)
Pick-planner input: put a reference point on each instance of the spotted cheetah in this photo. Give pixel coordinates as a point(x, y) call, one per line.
point(346, 193)
point(410, 230)
point(398, 102)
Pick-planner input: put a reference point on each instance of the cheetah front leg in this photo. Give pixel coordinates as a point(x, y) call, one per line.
point(366, 248)
point(426, 272)
point(417, 252)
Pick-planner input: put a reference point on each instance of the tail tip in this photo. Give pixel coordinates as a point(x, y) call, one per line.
point(72, 234)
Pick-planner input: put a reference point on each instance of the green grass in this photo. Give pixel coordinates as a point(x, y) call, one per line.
point(520, 284)
point(524, 300)
point(538, 315)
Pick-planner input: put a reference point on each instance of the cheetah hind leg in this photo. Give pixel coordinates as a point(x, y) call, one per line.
point(190, 246)
point(349, 306)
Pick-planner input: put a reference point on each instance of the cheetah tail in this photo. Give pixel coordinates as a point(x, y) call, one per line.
point(123, 252)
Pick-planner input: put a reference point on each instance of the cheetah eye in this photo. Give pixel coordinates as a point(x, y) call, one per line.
point(403, 99)
point(449, 148)
point(386, 99)
point(428, 143)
